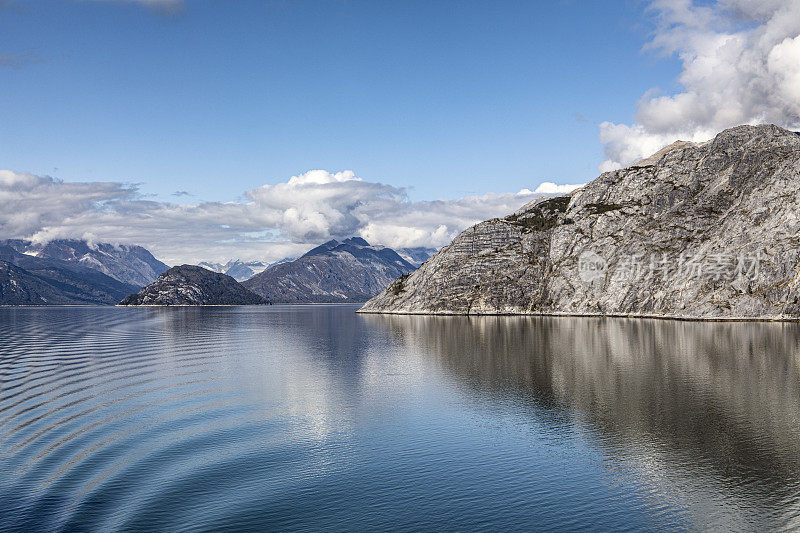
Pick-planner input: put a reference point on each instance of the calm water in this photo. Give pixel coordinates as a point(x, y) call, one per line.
point(315, 418)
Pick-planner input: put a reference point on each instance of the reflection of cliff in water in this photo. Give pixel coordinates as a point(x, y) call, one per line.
point(722, 395)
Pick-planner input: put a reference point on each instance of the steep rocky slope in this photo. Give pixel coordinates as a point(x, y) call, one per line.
point(20, 287)
point(193, 285)
point(347, 271)
point(705, 230)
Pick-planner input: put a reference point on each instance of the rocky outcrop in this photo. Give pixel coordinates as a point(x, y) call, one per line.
point(193, 285)
point(706, 230)
point(347, 271)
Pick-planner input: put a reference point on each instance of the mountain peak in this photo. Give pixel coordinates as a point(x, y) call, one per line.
point(358, 241)
point(347, 271)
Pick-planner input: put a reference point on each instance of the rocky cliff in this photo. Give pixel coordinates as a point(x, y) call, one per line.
point(346, 271)
point(193, 285)
point(706, 230)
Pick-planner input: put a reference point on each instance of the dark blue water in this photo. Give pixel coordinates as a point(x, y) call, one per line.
point(314, 418)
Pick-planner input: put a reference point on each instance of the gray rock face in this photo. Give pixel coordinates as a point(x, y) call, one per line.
point(705, 230)
point(193, 285)
point(347, 271)
point(20, 287)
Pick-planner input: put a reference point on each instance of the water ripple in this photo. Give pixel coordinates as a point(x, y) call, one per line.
point(314, 418)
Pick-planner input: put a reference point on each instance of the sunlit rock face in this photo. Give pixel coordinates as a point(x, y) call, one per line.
point(704, 230)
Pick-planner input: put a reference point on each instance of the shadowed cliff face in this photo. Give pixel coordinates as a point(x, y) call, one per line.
point(708, 410)
point(696, 230)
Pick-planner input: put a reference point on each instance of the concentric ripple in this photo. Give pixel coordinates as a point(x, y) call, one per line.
point(315, 418)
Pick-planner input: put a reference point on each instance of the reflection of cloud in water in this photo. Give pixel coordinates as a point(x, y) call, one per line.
point(703, 414)
point(279, 369)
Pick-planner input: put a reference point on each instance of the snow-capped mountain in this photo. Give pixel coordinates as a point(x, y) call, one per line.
point(26, 279)
point(132, 265)
point(239, 270)
point(417, 255)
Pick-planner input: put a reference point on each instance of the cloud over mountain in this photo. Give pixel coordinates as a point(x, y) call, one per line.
point(740, 65)
point(272, 222)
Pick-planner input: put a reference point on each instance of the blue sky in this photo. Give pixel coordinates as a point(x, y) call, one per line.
point(447, 98)
point(288, 123)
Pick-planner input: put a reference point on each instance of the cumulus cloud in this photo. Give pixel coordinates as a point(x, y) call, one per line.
point(273, 221)
point(548, 187)
point(740, 65)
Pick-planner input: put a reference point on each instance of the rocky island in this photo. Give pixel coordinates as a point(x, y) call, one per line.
point(193, 285)
point(698, 230)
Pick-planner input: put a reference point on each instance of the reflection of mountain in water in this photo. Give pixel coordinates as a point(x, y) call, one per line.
point(715, 402)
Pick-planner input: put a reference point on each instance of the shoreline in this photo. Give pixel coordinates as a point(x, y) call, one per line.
point(680, 318)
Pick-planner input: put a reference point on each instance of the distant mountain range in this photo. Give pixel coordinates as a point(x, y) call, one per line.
point(193, 285)
point(237, 269)
point(348, 271)
point(31, 280)
point(68, 272)
point(133, 265)
point(416, 256)
point(244, 270)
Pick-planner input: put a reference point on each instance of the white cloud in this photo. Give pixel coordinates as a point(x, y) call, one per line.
point(741, 65)
point(548, 187)
point(274, 221)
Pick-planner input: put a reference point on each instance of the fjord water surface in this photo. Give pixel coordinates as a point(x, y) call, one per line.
point(315, 418)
